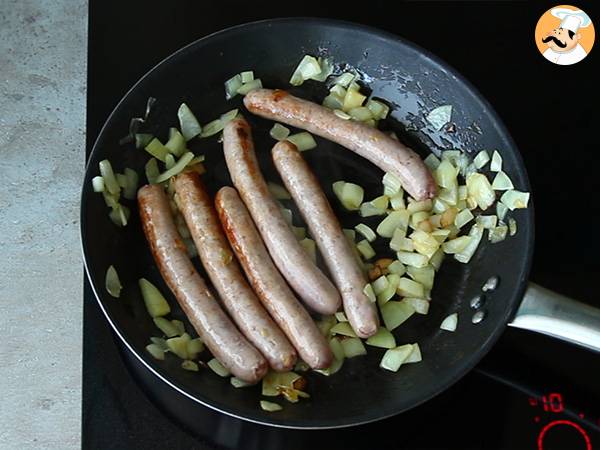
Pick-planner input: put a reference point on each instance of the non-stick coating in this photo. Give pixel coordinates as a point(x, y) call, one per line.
point(414, 82)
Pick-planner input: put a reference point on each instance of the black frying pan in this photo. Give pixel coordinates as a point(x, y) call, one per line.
point(414, 82)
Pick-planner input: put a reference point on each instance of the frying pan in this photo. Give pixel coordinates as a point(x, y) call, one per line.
point(413, 82)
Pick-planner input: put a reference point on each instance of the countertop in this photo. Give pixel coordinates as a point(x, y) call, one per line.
point(42, 152)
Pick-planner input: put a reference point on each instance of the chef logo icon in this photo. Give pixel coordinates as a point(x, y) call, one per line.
point(564, 35)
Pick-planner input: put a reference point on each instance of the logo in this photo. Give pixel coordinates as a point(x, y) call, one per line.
point(564, 35)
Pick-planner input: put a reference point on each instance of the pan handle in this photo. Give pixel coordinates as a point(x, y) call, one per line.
point(547, 312)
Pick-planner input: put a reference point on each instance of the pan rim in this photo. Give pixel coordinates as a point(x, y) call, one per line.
point(366, 417)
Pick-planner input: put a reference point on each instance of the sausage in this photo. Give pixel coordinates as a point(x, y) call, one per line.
point(215, 329)
point(311, 285)
point(267, 282)
point(370, 143)
point(327, 232)
point(224, 272)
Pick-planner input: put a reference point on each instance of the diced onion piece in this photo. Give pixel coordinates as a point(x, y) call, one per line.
point(112, 282)
point(424, 243)
point(217, 367)
point(156, 351)
point(487, 222)
point(514, 199)
point(501, 210)
point(229, 116)
point(345, 79)
point(396, 219)
point(380, 202)
point(397, 202)
point(397, 268)
point(382, 339)
point(178, 167)
point(353, 347)
point(369, 292)
point(480, 190)
point(152, 171)
point(310, 247)
point(432, 161)
point(445, 174)
point(110, 180)
point(341, 317)
point(237, 383)
point(279, 132)
point(341, 114)
point(343, 328)
point(98, 184)
point(336, 348)
point(395, 357)
point(169, 161)
point(415, 355)
point(273, 381)
point(449, 195)
point(366, 231)
point(353, 99)
point(178, 345)
point(232, 85)
point(440, 116)
point(361, 113)
point(335, 102)
point(437, 259)
point(496, 164)
point(326, 69)
point(456, 245)
point(250, 86)
point(303, 141)
point(142, 139)
point(379, 109)
point(194, 347)
point(463, 218)
point(392, 182)
point(270, 406)
point(176, 143)
point(512, 226)
point(414, 207)
point(481, 159)
point(395, 313)
point(439, 206)
point(157, 149)
point(188, 124)
point(189, 365)
point(247, 76)
point(299, 232)
point(306, 69)
point(412, 259)
point(420, 305)
point(278, 191)
point(325, 324)
point(465, 255)
point(166, 326)
point(502, 182)
point(497, 234)
point(287, 215)
point(450, 323)
point(410, 288)
point(423, 275)
point(380, 284)
point(365, 249)
point(179, 326)
point(367, 210)
point(388, 293)
point(160, 342)
point(440, 235)
point(155, 302)
point(350, 195)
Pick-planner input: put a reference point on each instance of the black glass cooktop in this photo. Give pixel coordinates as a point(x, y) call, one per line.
point(530, 392)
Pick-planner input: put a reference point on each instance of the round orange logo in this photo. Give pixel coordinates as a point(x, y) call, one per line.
point(564, 35)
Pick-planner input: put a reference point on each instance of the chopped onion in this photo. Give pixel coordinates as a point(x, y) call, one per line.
point(349, 194)
point(487, 222)
point(112, 282)
point(345, 79)
point(410, 288)
point(341, 114)
point(382, 339)
point(497, 234)
point(110, 180)
point(396, 219)
point(437, 259)
point(501, 210)
point(496, 164)
point(365, 249)
point(217, 367)
point(270, 406)
point(189, 365)
point(165, 326)
point(299, 232)
point(179, 326)
point(287, 215)
point(178, 167)
point(361, 114)
point(397, 202)
point(160, 342)
point(463, 218)
point(502, 182)
point(250, 86)
point(380, 284)
point(513, 199)
point(343, 328)
point(440, 235)
point(152, 171)
point(325, 324)
point(310, 247)
point(432, 161)
point(379, 109)
point(420, 305)
point(480, 190)
point(415, 355)
point(465, 255)
point(188, 124)
point(194, 347)
point(169, 161)
point(157, 149)
point(273, 381)
point(176, 143)
point(306, 69)
point(247, 76)
point(229, 116)
point(326, 69)
point(397, 268)
point(237, 383)
point(440, 116)
point(366, 231)
point(303, 141)
point(156, 351)
point(412, 259)
point(414, 207)
point(353, 347)
point(445, 174)
point(178, 345)
point(341, 317)
point(98, 184)
point(512, 226)
point(353, 99)
point(142, 139)
point(423, 275)
point(424, 243)
point(380, 202)
point(449, 195)
point(395, 313)
point(334, 102)
point(367, 210)
point(232, 85)
point(155, 302)
point(279, 132)
point(450, 323)
point(481, 159)
point(392, 182)
point(395, 357)
point(456, 245)
point(388, 293)
point(278, 191)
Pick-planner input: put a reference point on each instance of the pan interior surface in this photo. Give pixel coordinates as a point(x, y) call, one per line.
point(413, 82)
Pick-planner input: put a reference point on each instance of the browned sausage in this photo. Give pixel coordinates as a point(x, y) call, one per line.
point(311, 285)
point(326, 230)
point(224, 272)
point(217, 331)
point(268, 284)
point(370, 143)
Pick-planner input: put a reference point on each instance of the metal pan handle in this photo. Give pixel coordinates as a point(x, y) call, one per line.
point(547, 312)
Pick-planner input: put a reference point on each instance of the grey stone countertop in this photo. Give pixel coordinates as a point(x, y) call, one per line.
point(43, 47)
